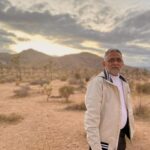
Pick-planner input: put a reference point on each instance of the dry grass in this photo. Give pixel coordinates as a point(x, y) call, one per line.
point(10, 119)
point(22, 91)
point(77, 107)
point(48, 127)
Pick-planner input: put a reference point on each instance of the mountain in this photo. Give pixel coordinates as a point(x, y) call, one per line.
point(81, 60)
point(31, 57)
point(34, 58)
point(5, 58)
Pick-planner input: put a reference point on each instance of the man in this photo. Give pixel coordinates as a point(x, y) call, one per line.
point(109, 115)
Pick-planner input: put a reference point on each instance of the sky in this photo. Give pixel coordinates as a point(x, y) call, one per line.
point(57, 27)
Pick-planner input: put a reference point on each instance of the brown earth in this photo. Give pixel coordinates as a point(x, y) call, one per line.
point(48, 126)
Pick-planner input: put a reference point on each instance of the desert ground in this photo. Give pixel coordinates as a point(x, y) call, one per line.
point(49, 126)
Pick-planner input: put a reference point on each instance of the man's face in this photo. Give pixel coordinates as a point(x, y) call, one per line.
point(113, 63)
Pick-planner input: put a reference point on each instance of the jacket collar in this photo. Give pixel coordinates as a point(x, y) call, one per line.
point(105, 75)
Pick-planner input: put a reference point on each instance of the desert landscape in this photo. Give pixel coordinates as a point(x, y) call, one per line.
point(50, 50)
point(36, 113)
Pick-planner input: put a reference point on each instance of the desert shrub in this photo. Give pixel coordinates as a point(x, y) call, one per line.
point(66, 91)
point(81, 85)
point(39, 82)
point(18, 82)
point(2, 80)
point(132, 86)
point(63, 78)
point(87, 79)
point(79, 107)
point(77, 76)
point(23, 91)
point(74, 81)
point(141, 111)
point(143, 88)
point(47, 89)
point(7, 79)
point(12, 118)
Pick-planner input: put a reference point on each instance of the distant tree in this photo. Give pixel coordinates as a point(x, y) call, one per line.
point(16, 63)
point(77, 76)
point(143, 88)
point(50, 67)
point(1, 70)
point(66, 91)
point(47, 90)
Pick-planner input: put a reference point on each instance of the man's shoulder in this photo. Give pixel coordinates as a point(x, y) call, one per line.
point(96, 79)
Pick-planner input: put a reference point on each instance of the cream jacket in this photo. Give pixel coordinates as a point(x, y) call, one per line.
point(103, 114)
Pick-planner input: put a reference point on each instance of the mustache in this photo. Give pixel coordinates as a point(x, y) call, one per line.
point(115, 67)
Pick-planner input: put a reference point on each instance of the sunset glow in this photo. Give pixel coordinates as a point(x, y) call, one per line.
point(45, 46)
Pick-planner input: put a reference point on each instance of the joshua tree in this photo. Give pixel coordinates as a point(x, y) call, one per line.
point(16, 63)
point(47, 90)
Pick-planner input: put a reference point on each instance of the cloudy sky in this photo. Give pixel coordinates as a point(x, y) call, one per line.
point(59, 27)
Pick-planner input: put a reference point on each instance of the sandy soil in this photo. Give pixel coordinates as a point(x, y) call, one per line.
point(47, 126)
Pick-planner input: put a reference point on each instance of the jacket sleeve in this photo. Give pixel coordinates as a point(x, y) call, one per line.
point(93, 99)
point(130, 111)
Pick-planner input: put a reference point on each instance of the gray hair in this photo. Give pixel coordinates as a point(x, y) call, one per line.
point(111, 50)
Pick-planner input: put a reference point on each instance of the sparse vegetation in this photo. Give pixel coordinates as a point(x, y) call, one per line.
point(79, 107)
point(73, 81)
point(33, 70)
point(23, 91)
point(47, 89)
point(63, 78)
point(15, 60)
point(66, 91)
point(142, 111)
point(10, 119)
point(39, 82)
point(143, 88)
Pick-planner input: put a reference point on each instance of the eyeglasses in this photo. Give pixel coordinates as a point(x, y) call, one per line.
point(112, 60)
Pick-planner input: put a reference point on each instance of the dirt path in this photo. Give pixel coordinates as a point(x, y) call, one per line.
point(47, 126)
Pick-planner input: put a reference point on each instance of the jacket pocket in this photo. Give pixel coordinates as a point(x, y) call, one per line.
point(104, 146)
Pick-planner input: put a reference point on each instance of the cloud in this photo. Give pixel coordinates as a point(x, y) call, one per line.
point(6, 39)
point(74, 22)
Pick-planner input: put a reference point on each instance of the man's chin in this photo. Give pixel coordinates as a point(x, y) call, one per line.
point(115, 72)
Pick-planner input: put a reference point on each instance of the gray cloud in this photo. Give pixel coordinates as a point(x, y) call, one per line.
point(6, 37)
point(73, 29)
point(4, 4)
point(6, 40)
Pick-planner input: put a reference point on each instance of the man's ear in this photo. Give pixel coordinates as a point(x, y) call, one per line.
point(123, 63)
point(103, 63)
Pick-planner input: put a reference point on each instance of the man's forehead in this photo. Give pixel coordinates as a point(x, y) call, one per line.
point(114, 54)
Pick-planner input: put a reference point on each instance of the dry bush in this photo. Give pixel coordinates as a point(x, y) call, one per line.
point(142, 111)
point(63, 78)
point(77, 76)
point(9, 119)
point(18, 82)
point(47, 89)
point(7, 79)
point(66, 91)
point(74, 81)
point(143, 88)
point(81, 87)
point(2, 80)
point(23, 91)
point(78, 107)
point(132, 86)
point(39, 82)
